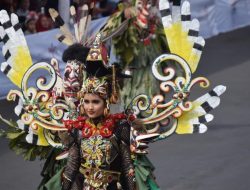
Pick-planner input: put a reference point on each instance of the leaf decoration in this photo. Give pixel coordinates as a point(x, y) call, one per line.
point(18, 144)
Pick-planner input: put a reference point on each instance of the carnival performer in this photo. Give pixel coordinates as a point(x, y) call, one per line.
point(71, 114)
point(99, 157)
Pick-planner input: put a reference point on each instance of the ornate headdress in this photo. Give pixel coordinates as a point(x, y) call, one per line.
point(77, 49)
point(97, 62)
point(98, 52)
point(102, 78)
point(94, 85)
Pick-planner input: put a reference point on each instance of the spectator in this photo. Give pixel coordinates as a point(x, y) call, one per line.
point(43, 23)
point(8, 5)
point(30, 23)
point(102, 7)
point(23, 10)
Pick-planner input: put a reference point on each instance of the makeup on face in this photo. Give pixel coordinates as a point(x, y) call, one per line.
point(93, 105)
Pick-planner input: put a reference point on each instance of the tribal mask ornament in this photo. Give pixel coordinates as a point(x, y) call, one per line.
point(143, 9)
point(147, 18)
point(75, 57)
point(72, 77)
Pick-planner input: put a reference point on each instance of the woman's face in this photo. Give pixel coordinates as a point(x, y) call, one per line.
point(44, 22)
point(93, 105)
point(31, 26)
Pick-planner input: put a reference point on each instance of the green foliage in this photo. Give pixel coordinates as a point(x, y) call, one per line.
point(51, 169)
point(18, 144)
point(137, 55)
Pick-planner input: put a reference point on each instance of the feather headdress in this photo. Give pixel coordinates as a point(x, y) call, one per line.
point(81, 18)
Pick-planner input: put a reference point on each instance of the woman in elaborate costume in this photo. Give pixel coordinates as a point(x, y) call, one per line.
point(102, 155)
point(70, 114)
point(99, 156)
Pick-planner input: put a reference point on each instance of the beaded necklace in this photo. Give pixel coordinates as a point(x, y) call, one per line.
point(104, 128)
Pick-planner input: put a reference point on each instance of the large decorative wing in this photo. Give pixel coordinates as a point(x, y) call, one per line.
point(15, 49)
point(194, 121)
point(181, 32)
point(41, 114)
point(40, 120)
point(172, 111)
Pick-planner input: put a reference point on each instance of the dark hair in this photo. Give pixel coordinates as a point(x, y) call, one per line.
point(75, 52)
point(29, 20)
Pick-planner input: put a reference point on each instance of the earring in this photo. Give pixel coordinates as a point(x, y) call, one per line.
point(81, 108)
point(106, 112)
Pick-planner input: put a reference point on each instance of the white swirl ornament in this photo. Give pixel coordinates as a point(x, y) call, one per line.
point(170, 72)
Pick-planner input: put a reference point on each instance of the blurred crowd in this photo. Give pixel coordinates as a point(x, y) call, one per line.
point(34, 16)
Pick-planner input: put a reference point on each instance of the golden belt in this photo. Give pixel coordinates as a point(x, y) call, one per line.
point(99, 178)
